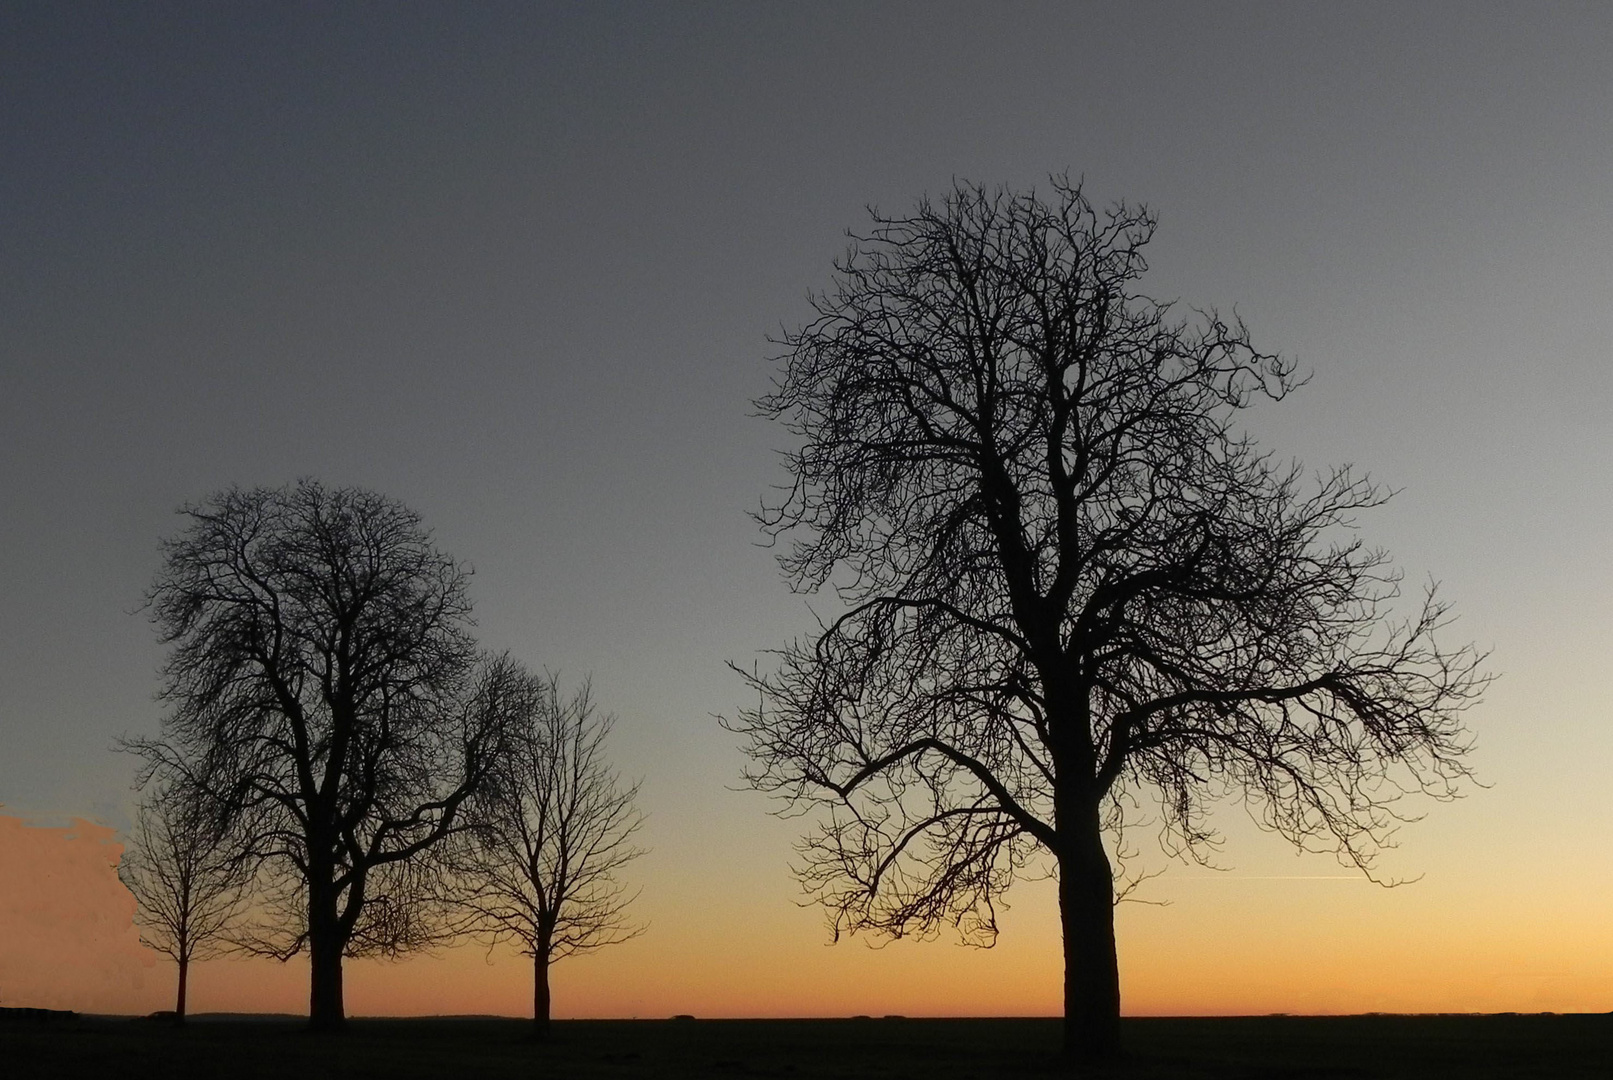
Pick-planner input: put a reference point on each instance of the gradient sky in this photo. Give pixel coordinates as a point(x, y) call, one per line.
point(515, 265)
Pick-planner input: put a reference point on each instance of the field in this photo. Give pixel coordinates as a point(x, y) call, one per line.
point(888, 1049)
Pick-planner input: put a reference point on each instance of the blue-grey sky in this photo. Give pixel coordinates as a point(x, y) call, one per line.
point(516, 265)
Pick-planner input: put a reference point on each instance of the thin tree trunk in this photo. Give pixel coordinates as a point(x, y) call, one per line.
point(1091, 967)
point(540, 995)
point(179, 1003)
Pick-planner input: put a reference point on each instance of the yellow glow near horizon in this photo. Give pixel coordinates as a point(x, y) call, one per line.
point(1305, 942)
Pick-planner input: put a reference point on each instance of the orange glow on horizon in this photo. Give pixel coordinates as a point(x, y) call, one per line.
point(67, 936)
point(1225, 946)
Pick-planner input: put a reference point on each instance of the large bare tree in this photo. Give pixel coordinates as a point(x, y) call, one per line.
point(553, 827)
point(1066, 584)
point(317, 680)
point(186, 883)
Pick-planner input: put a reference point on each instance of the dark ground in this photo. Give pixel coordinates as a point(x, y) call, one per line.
point(1565, 1047)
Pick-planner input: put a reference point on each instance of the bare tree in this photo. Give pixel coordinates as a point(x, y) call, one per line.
point(317, 680)
point(186, 885)
point(553, 828)
point(1068, 584)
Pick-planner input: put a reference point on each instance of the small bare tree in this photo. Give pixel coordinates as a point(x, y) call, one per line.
point(552, 828)
point(187, 887)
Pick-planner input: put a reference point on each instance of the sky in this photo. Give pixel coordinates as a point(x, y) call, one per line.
point(517, 265)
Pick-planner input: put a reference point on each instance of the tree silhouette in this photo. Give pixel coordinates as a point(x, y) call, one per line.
point(1066, 583)
point(186, 886)
point(553, 827)
point(317, 682)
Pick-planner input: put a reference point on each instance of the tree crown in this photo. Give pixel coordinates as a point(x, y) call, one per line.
point(317, 682)
point(1066, 577)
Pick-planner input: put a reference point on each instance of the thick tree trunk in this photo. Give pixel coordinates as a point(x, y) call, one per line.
point(1091, 967)
point(179, 1002)
point(540, 996)
point(325, 1009)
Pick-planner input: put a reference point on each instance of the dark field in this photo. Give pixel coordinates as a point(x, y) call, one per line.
point(887, 1049)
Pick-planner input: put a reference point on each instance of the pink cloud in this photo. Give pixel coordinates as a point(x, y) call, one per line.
point(67, 935)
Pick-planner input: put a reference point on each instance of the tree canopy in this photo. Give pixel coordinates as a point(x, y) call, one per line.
point(317, 684)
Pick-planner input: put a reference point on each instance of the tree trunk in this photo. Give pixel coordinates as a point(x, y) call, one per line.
point(540, 995)
point(179, 1003)
point(325, 1010)
point(1091, 967)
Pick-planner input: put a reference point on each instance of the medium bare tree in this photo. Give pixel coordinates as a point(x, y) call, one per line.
point(317, 682)
point(553, 828)
point(187, 887)
point(1068, 584)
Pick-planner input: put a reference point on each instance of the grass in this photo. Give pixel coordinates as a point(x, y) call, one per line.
point(1478, 1047)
